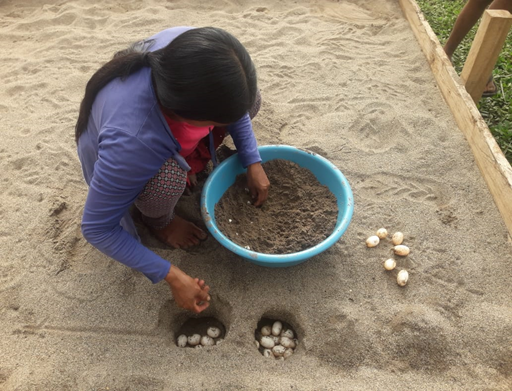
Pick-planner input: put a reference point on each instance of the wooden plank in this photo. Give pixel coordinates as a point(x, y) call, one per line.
point(485, 50)
point(493, 165)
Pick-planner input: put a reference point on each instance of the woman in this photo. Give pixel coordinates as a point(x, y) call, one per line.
point(144, 113)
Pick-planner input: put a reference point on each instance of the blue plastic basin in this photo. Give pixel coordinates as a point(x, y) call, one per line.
point(327, 174)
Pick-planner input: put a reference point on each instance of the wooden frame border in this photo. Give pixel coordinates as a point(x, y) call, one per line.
point(491, 161)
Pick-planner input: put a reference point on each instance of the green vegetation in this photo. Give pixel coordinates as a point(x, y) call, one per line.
point(497, 110)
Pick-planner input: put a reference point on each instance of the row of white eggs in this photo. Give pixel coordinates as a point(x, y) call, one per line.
point(277, 342)
point(196, 340)
point(396, 239)
point(399, 249)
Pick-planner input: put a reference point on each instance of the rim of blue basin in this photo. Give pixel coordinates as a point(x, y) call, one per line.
point(224, 175)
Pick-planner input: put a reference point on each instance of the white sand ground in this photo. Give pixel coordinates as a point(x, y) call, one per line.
point(345, 79)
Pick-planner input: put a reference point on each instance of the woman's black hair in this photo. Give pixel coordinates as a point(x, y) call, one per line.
point(204, 74)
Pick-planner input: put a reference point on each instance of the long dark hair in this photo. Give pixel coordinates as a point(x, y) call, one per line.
point(204, 74)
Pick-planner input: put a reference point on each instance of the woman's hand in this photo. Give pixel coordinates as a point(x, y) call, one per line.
point(258, 183)
point(189, 293)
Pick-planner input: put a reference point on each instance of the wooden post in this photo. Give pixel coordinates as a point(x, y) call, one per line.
point(485, 50)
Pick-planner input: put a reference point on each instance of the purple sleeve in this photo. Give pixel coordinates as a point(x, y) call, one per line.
point(245, 141)
point(118, 179)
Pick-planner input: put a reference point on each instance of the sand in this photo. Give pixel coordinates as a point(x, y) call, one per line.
point(344, 79)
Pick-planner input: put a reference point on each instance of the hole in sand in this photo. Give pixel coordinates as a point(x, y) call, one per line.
point(275, 338)
point(200, 332)
point(217, 315)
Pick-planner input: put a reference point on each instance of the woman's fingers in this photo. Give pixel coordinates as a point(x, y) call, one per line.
point(262, 197)
point(204, 290)
point(201, 306)
point(258, 183)
point(202, 299)
point(203, 294)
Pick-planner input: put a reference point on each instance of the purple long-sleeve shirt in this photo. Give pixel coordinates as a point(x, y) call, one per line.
point(126, 142)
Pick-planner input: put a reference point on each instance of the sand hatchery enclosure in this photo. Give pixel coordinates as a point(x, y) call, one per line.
point(347, 80)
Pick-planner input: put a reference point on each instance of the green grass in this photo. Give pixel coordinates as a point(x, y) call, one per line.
point(497, 110)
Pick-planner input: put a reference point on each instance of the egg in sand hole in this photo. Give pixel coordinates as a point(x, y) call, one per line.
point(200, 332)
point(275, 339)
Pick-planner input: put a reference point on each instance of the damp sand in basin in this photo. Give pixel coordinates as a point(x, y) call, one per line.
point(298, 214)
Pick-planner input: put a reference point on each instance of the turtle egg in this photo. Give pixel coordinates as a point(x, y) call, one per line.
point(257, 344)
point(287, 333)
point(267, 342)
point(372, 241)
point(382, 233)
point(268, 353)
point(276, 328)
point(402, 277)
point(287, 342)
point(397, 238)
point(182, 341)
point(194, 339)
point(389, 264)
point(213, 332)
point(266, 330)
point(401, 250)
point(287, 353)
point(207, 341)
point(278, 350)
point(275, 338)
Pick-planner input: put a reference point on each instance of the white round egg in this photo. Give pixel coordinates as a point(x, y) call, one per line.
point(382, 233)
point(287, 333)
point(266, 330)
point(213, 332)
point(389, 264)
point(397, 238)
point(287, 342)
point(401, 250)
point(267, 342)
point(206, 340)
point(287, 353)
point(182, 341)
point(372, 241)
point(402, 277)
point(194, 339)
point(278, 350)
point(276, 328)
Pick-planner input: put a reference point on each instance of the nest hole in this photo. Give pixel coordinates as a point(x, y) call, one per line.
point(210, 330)
point(281, 343)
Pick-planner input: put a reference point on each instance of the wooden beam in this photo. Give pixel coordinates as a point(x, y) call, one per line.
point(484, 52)
point(493, 165)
